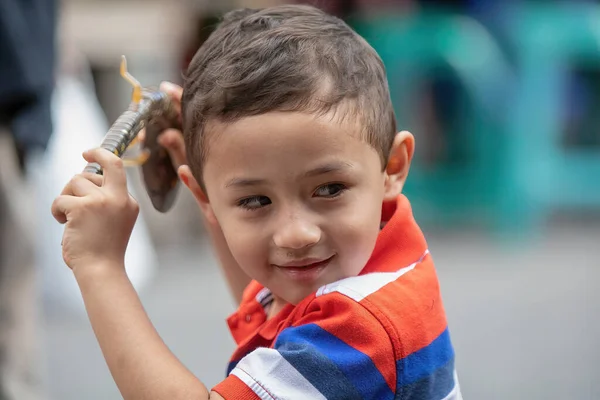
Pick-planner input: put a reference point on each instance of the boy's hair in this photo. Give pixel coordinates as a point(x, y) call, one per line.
point(285, 58)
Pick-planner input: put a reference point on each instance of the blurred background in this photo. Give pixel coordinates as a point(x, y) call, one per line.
point(504, 100)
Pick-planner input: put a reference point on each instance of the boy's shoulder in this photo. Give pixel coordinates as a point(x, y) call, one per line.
point(406, 304)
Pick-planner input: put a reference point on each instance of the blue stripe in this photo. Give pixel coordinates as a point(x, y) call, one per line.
point(435, 386)
point(323, 374)
point(231, 366)
point(426, 361)
point(318, 344)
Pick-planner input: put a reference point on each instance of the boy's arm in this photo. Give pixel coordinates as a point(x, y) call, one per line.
point(140, 363)
point(99, 215)
point(172, 141)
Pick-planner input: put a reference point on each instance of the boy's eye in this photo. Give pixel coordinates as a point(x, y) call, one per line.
point(330, 190)
point(254, 202)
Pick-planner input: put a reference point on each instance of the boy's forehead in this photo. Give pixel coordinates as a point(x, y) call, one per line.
point(280, 138)
point(280, 127)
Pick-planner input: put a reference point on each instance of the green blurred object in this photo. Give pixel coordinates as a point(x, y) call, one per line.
point(493, 150)
point(550, 42)
point(456, 176)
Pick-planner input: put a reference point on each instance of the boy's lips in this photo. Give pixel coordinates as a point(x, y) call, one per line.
point(306, 269)
point(305, 263)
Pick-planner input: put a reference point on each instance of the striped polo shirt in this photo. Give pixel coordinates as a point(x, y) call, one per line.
point(381, 335)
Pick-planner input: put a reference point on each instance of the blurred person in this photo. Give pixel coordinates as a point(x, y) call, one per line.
point(27, 34)
point(291, 150)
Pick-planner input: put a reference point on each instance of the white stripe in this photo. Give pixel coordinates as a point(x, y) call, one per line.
point(267, 301)
point(359, 287)
point(252, 384)
point(271, 376)
point(262, 294)
point(455, 393)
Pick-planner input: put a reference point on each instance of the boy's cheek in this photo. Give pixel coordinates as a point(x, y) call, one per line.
point(244, 243)
point(357, 235)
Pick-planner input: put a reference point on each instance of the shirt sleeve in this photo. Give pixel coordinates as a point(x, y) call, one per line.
point(337, 350)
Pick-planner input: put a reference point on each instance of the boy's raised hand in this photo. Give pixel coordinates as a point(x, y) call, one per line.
point(172, 139)
point(98, 213)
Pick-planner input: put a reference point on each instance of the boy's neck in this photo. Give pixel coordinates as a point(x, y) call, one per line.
point(277, 305)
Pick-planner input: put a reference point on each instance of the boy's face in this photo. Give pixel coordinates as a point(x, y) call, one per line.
point(298, 198)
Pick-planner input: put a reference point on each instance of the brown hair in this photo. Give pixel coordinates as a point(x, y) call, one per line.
point(285, 58)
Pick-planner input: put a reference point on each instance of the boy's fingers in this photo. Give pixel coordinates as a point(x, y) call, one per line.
point(174, 91)
point(61, 207)
point(113, 170)
point(80, 186)
point(172, 141)
point(69, 189)
point(94, 178)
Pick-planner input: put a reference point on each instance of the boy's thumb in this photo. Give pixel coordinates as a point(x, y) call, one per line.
point(171, 88)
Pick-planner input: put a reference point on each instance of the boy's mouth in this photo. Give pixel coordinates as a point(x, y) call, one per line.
point(306, 269)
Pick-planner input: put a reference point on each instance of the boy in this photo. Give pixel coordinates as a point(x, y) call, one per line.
point(291, 151)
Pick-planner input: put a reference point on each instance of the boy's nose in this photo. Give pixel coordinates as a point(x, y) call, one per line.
point(297, 234)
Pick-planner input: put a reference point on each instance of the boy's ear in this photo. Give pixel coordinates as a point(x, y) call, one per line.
point(398, 165)
point(186, 176)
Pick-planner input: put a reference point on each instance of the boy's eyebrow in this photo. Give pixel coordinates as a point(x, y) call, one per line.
point(241, 182)
point(320, 170)
point(334, 166)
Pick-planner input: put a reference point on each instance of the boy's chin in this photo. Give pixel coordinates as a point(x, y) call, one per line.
point(295, 295)
point(292, 298)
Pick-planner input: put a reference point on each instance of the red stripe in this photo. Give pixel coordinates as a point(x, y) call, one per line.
point(233, 388)
point(413, 307)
